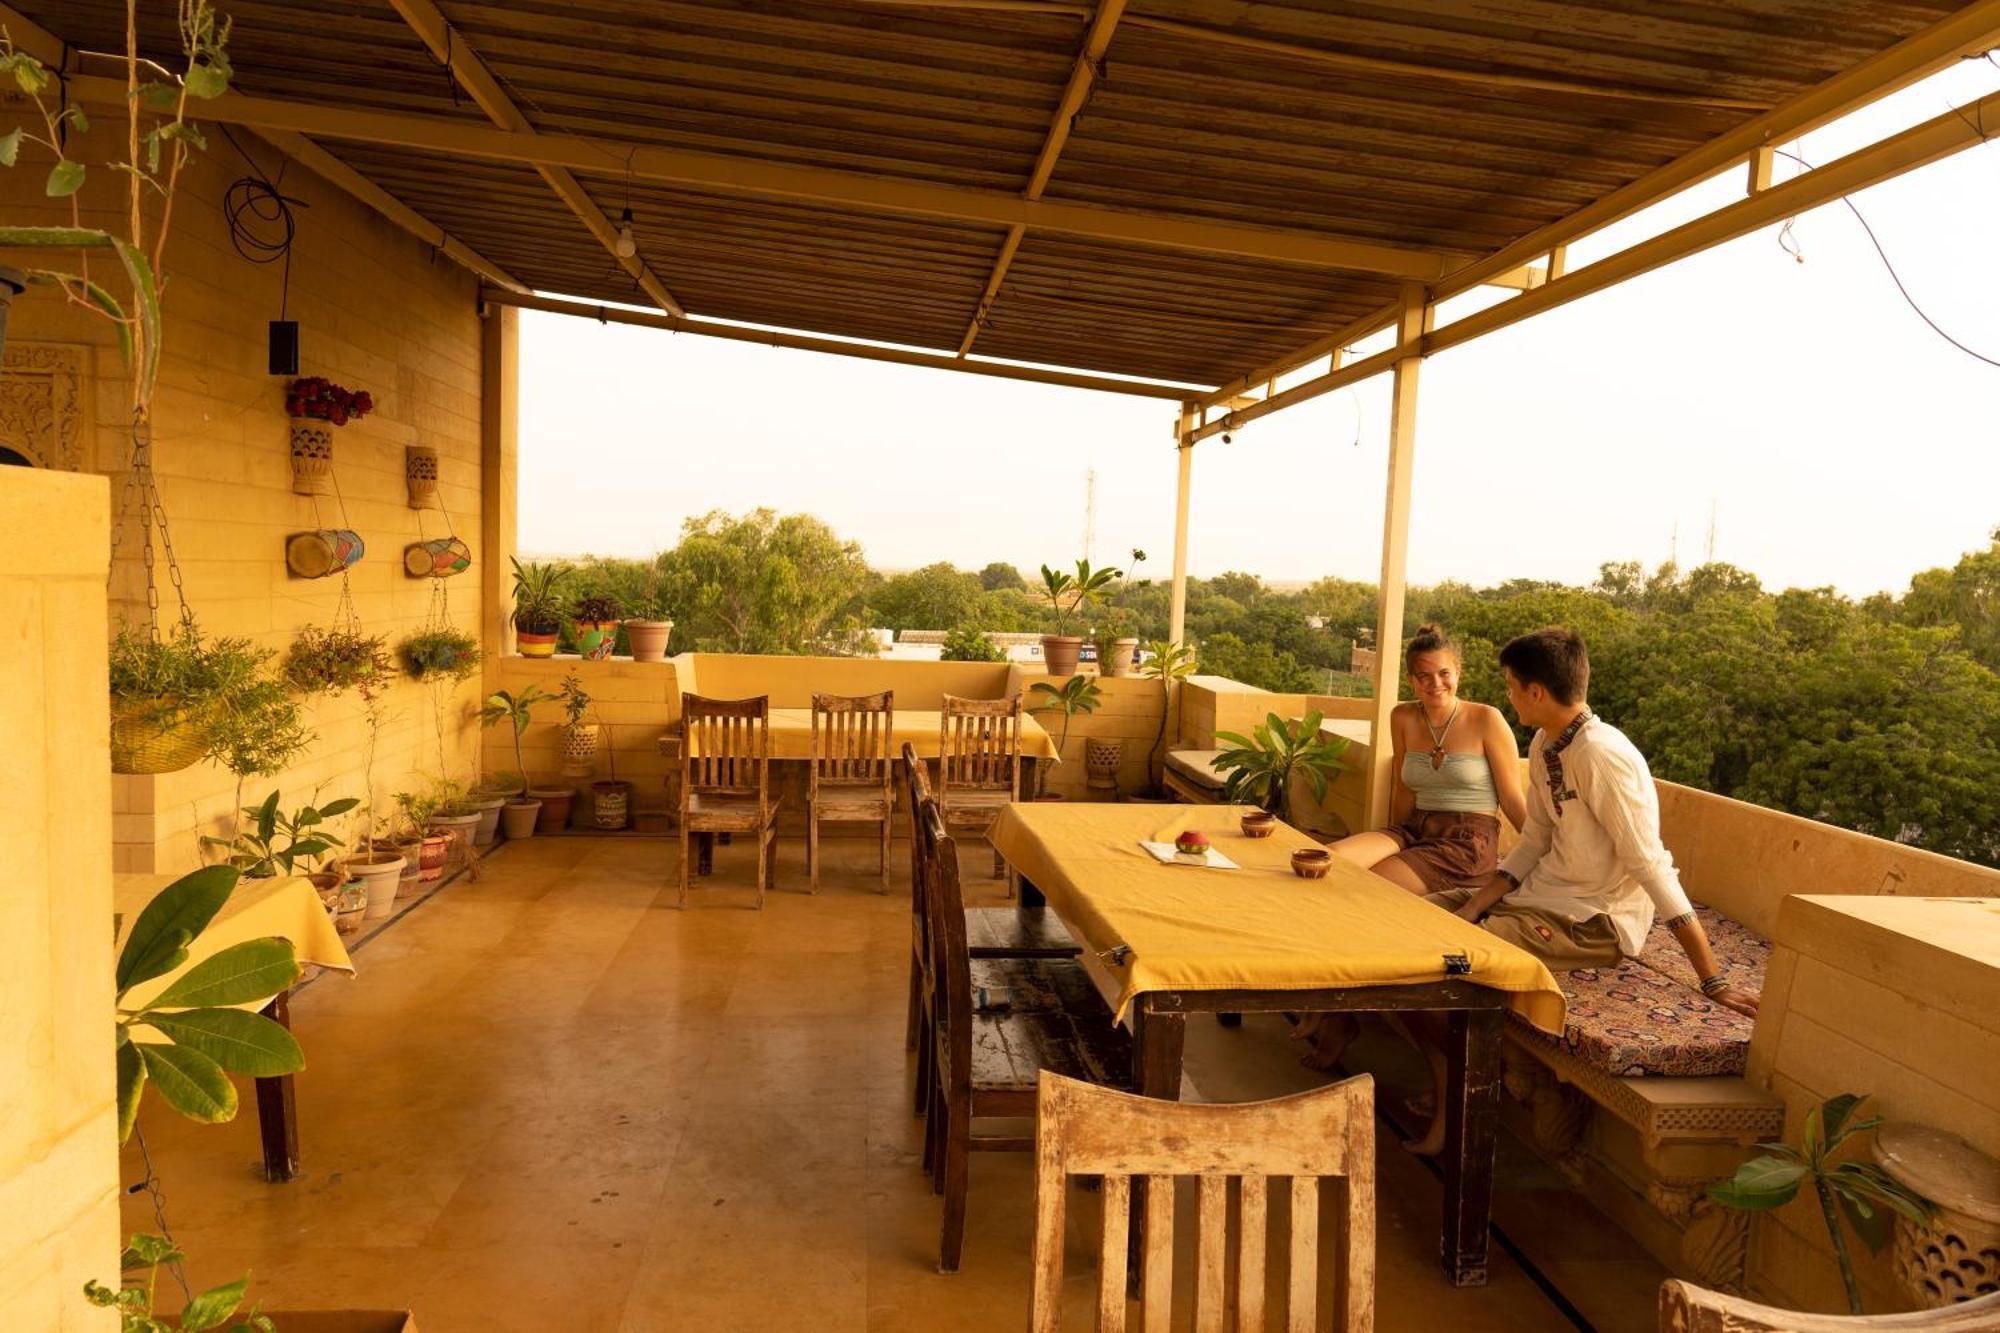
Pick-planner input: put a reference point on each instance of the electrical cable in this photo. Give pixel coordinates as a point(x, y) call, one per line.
point(1882, 254)
point(262, 225)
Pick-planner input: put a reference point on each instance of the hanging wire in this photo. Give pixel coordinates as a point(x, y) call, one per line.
point(151, 1184)
point(262, 225)
point(1883, 255)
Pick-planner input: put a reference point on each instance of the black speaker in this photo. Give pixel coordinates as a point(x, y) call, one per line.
point(284, 347)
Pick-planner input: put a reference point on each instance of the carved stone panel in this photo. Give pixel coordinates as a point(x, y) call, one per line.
point(43, 403)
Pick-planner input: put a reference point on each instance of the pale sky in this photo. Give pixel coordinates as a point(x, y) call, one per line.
point(1834, 438)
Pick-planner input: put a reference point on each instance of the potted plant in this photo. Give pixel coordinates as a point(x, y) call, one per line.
point(596, 619)
point(278, 844)
point(538, 606)
point(183, 698)
point(1115, 647)
point(579, 738)
point(1170, 664)
point(611, 799)
point(1861, 1191)
point(1078, 694)
point(1263, 765)
point(1066, 593)
point(315, 405)
point(421, 843)
point(332, 661)
point(520, 812)
point(648, 633)
point(439, 654)
point(455, 815)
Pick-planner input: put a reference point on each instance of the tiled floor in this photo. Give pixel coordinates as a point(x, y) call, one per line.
point(551, 1102)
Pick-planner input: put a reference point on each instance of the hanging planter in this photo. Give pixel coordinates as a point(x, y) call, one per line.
point(440, 558)
point(180, 699)
point(156, 735)
point(420, 474)
point(435, 654)
point(312, 459)
point(323, 551)
point(579, 748)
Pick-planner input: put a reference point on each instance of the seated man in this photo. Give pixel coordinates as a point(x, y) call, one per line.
point(1583, 885)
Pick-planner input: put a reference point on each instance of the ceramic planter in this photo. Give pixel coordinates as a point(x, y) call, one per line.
point(579, 747)
point(612, 802)
point(595, 639)
point(1059, 653)
point(436, 850)
point(520, 816)
point(536, 645)
point(461, 825)
point(648, 639)
point(1114, 656)
point(379, 874)
point(312, 458)
point(489, 819)
point(1101, 759)
point(555, 807)
point(351, 908)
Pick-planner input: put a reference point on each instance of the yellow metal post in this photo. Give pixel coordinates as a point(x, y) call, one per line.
point(1184, 451)
point(1395, 546)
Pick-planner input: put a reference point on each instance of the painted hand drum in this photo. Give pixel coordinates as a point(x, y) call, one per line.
point(324, 551)
point(436, 559)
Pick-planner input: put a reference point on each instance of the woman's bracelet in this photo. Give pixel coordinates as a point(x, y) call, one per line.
point(1715, 985)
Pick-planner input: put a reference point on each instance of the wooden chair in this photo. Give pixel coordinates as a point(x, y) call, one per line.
point(1081, 1130)
point(850, 780)
point(726, 780)
point(984, 1062)
point(1686, 1308)
point(979, 763)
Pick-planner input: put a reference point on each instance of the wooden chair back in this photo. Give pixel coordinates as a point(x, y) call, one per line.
point(725, 746)
point(1083, 1129)
point(979, 746)
point(850, 741)
point(1686, 1308)
point(949, 955)
point(916, 791)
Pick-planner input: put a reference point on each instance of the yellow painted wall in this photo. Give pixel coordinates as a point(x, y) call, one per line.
point(58, 1130)
point(376, 311)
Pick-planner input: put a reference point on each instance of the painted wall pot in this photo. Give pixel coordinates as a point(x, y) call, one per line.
point(312, 458)
point(595, 638)
point(420, 475)
point(323, 551)
point(439, 558)
point(536, 645)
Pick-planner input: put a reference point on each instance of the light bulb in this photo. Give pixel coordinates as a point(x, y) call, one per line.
point(628, 244)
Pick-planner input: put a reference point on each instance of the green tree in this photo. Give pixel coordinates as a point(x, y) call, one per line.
point(763, 583)
point(934, 597)
point(1259, 664)
point(1001, 576)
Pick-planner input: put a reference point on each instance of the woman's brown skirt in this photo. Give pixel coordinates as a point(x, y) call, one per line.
point(1449, 849)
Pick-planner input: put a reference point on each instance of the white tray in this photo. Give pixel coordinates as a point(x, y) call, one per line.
point(1164, 852)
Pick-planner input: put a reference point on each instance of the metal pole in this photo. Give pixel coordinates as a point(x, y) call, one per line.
point(1410, 321)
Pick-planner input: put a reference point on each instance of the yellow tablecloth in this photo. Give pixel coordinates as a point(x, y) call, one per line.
point(1259, 927)
point(288, 908)
point(791, 734)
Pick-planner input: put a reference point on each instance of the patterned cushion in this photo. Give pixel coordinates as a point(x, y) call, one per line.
point(1647, 1015)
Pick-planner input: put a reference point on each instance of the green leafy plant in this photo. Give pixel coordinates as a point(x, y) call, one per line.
point(1859, 1191)
point(275, 843)
point(436, 797)
point(331, 661)
point(133, 1300)
point(651, 603)
point(257, 731)
point(248, 722)
point(1077, 694)
point(189, 1038)
point(515, 709)
point(575, 699)
point(439, 654)
point(596, 609)
point(1263, 765)
point(538, 596)
point(1170, 664)
point(1067, 592)
point(967, 644)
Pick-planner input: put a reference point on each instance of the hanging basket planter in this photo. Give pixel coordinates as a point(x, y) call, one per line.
point(323, 551)
point(579, 748)
point(420, 474)
point(155, 736)
point(312, 459)
point(440, 558)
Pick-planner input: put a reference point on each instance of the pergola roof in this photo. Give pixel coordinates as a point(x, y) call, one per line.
point(1186, 190)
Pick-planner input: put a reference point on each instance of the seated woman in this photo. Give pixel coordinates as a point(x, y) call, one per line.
point(1455, 764)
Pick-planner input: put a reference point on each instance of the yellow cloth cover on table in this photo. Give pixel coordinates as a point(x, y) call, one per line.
point(1258, 927)
point(791, 734)
point(288, 908)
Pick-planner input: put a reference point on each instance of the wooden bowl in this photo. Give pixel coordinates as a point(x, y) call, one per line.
point(1311, 862)
point(1259, 825)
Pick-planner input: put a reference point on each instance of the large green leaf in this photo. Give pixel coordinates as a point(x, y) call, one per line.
point(192, 1083)
point(146, 1249)
point(146, 291)
point(65, 179)
point(98, 297)
point(240, 1041)
point(209, 1309)
point(206, 81)
point(1873, 1225)
point(10, 147)
point(267, 817)
point(240, 974)
point(181, 911)
point(1765, 1182)
point(339, 807)
point(131, 1082)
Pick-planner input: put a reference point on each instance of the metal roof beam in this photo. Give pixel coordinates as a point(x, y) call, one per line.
point(814, 185)
point(1082, 77)
point(447, 45)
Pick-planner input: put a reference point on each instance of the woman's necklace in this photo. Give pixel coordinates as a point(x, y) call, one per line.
point(1438, 734)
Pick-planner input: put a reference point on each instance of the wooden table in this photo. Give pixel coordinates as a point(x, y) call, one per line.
point(1073, 853)
point(288, 908)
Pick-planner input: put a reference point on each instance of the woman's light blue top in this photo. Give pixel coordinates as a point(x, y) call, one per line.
point(1465, 783)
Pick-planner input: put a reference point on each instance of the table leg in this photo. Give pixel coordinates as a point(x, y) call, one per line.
point(1030, 895)
point(1472, 1109)
point(277, 1117)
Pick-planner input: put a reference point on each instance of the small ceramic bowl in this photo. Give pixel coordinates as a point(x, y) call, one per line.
point(1311, 862)
point(1259, 825)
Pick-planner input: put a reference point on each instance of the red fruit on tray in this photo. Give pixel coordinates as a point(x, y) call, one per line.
point(1191, 842)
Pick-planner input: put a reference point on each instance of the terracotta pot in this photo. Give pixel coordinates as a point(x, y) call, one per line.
point(536, 645)
point(648, 639)
point(555, 803)
point(1311, 862)
point(611, 804)
point(436, 851)
point(579, 747)
point(312, 457)
point(595, 639)
point(1059, 653)
point(519, 816)
point(1101, 759)
point(489, 819)
point(420, 475)
point(380, 875)
point(1114, 656)
point(1259, 825)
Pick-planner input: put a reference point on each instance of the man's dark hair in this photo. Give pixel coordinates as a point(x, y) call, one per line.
point(1552, 657)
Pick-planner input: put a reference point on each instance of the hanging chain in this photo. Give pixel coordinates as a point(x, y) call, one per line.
point(141, 500)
